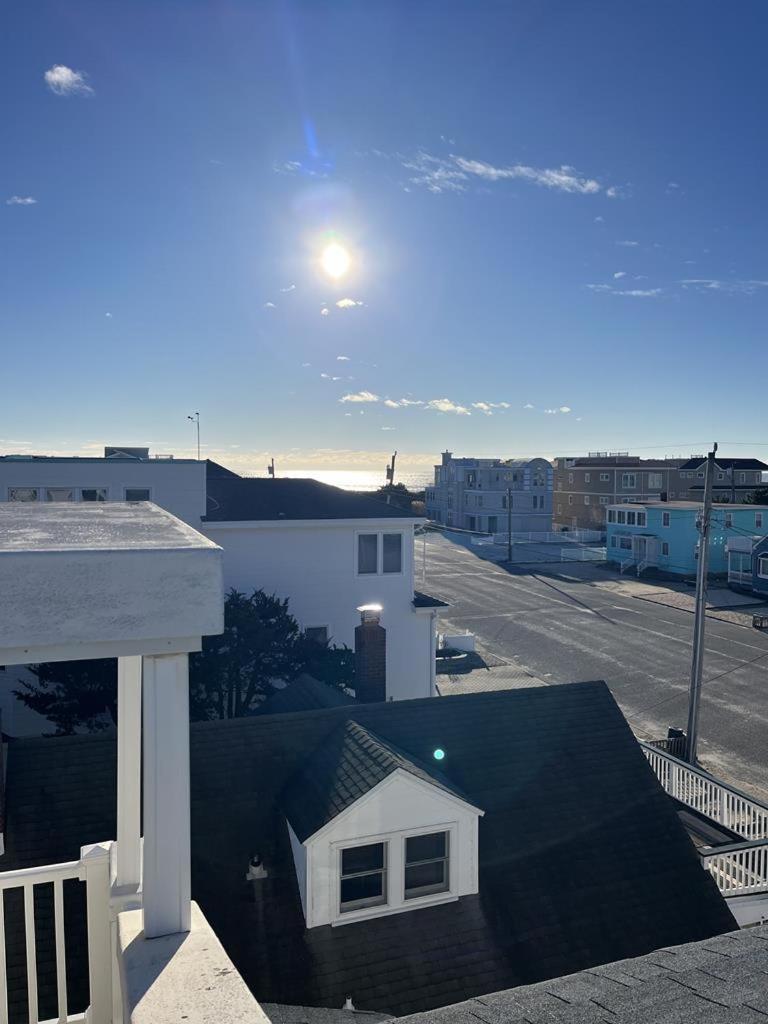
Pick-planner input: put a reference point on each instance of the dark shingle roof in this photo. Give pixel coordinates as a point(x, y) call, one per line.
point(304, 694)
point(425, 601)
point(345, 767)
point(582, 858)
point(254, 500)
point(726, 463)
point(722, 980)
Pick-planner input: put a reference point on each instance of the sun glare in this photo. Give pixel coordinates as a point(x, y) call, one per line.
point(335, 260)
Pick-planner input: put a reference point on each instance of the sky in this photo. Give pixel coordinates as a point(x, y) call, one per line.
point(554, 214)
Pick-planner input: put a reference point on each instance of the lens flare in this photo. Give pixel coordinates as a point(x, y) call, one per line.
point(335, 260)
point(438, 754)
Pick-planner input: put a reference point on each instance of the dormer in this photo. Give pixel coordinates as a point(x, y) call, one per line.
point(376, 832)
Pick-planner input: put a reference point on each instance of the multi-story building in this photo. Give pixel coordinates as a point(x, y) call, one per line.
point(479, 494)
point(584, 487)
point(734, 478)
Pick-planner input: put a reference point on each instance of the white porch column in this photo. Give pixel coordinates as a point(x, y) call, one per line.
point(166, 874)
point(128, 865)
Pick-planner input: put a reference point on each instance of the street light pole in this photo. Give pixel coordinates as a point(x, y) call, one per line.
point(700, 615)
point(509, 525)
point(195, 418)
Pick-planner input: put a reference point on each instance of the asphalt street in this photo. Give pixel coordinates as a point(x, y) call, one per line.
point(557, 621)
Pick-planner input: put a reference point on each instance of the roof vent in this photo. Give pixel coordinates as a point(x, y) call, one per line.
point(112, 452)
point(256, 869)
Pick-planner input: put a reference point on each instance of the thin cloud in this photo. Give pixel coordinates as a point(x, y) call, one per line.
point(325, 311)
point(619, 274)
point(388, 428)
point(66, 82)
point(562, 179)
point(342, 359)
point(327, 376)
point(528, 406)
point(21, 201)
point(487, 407)
point(290, 288)
point(748, 287)
point(628, 243)
point(269, 305)
point(599, 219)
point(349, 303)
point(446, 405)
point(635, 293)
point(360, 396)
point(108, 315)
point(401, 403)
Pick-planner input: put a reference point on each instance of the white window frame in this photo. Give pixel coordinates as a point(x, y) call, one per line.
point(611, 515)
point(363, 906)
point(666, 520)
point(586, 499)
point(570, 499)
point(559, 510)
point(587, 478)
point(605, 477)
point(379, 552)
point(411, 900)
point(147, 489)
point(604, 499)
point(49, 500)
point(655, 480)
point(570, 478)
point(98, 488)
point(762, 567)
point(625, 481)
point(642, 519)
point(665, 549)
point(24, 487)
point(758, 520)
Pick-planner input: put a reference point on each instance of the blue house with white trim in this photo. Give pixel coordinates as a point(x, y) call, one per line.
point(663, 535)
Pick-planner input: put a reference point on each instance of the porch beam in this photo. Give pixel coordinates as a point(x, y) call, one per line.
point(166, 875)
point(128, 866)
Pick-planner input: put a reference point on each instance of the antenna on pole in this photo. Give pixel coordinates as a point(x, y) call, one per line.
point(390, 475)
point(271, 468)
point(195, 418)
point(700, 614)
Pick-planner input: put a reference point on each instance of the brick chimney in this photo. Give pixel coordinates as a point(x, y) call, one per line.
point(370, 656)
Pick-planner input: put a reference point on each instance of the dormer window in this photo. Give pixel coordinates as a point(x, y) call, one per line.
point(375, 831)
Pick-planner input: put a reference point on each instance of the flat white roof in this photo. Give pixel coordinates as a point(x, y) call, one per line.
point(93, 526)
point(88, 580)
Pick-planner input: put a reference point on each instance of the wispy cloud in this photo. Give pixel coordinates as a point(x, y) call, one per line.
point(635, 293)
point(327, 376)
point(628, 243)
point(290, 288)
point(619, 274)
point(360, 396)
point(342, 359)
point(269, 305)
point(528, 406)
point(560, 410)
point(487, 407)
point(388, 428)
point(66, 82)
point(453, 173)
point(401, 403)
point(21, 201)
point(324, 311)
point(349, 303)
point(748, 287)
point(108, 315)
point(446, 405)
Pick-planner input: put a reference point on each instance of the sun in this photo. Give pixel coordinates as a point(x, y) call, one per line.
point(335, 260)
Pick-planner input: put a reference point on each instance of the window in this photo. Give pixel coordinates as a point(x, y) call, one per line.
point(625, 543)
point(604, 499)
point(94, 493)
point(392, 545)
point(621, 516)
point(570, 478)
point(23, 494)
point(559, 510)
point(728, 520)
point(762, 567)
point(665, 518)
point(612, 515)
point(758, 520)
point(700, 476)
point(628, 480)
point(570, 499)
point(426, 865)
point(363, 877)
point(721, 475)
point(137, 494)
point(613, 540)
point(587, 478)
point(742, 478)
point(586, 499)
point(59, 494)
point(664, 547)
point(605, 477)
point(317, 634)
point(655, 481)
point(641, 519)
point(367, 554)
point(631, 518)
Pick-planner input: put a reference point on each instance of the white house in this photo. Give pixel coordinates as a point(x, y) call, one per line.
point(327, 550)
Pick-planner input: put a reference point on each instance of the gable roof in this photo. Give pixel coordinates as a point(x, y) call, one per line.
point(254, 500)
point(582, 858)
point(305, 693)
point(723, 980)
point(726, 463)
point(351, 763)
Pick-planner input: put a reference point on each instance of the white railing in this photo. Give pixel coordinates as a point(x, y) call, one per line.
point(716, 800)
point(739, 576)
point(93, 869)
point(582, 555)
point(627, 564)
point(740, 868)
point(563, 537)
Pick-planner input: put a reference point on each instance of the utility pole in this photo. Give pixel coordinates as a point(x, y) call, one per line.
point(700, 615)
point(509, 525)
point(271, 468)
point(195, 418)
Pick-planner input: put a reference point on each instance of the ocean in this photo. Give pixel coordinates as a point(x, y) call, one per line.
point(357, 479)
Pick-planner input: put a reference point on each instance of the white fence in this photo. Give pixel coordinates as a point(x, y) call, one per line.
point(582, 555)
point(93, 869)
point(562, 537)
point(740, 868)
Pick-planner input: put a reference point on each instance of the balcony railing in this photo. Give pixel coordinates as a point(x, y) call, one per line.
point(93, 869)
point(738, 868)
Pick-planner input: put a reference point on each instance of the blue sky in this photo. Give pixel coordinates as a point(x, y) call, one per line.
point(548, 206)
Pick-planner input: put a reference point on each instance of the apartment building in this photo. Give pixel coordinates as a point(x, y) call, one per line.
point(734, 478)
point(479, 494)
point(584, 487)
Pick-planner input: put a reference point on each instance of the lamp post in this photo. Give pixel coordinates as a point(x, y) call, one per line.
point(195, 418)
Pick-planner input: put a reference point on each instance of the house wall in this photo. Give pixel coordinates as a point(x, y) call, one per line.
point(682, 535)
point(399, 806)
point(300, 863)
point(313, 564)
point(583, 490)
point(760, 583)
point(176, 485)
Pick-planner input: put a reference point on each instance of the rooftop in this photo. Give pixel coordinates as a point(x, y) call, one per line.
point(582, 856)
point(257, 500)
point(723, 980)
point(698, 460)
point(716, 507)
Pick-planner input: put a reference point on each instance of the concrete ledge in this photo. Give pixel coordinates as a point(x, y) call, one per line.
point(183, 977)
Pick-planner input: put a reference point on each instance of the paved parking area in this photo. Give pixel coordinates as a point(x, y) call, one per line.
point(561, 623)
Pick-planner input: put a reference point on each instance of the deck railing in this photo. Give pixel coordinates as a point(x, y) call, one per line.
point(738, 868)
point(93, 869)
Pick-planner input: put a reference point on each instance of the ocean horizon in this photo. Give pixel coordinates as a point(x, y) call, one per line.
point(355, 479)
